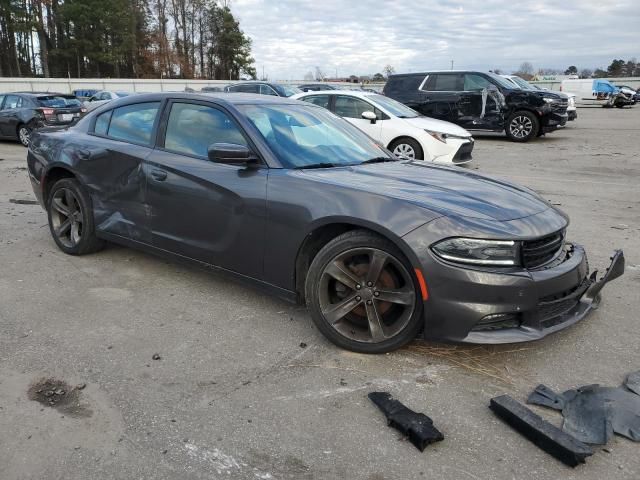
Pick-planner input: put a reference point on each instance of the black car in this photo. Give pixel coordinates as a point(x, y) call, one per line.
point(23, 112)
point(480, 101)
point(288, 197)
point(263, 88)
point(316, 87)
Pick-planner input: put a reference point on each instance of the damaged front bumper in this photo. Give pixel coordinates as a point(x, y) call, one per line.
point(554, 312)
point(492, 307)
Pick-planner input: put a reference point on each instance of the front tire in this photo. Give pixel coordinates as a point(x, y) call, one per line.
point(71, 218)
point(522, 126)
point(24, 134)
point(407, 148)
point(361, 294)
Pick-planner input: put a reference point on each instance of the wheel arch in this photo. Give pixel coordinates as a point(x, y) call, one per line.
point(51, 176)
point(425, 152)
point(323, 231)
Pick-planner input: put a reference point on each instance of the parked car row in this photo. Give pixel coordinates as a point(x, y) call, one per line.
point(23, 112)
point(294, 200)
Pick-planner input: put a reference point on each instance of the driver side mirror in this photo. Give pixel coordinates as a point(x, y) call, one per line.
point(231, 154)
point(368, 115)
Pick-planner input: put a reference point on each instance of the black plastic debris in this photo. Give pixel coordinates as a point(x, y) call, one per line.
point(417, 426)
point(548, 437)
point(592, 413)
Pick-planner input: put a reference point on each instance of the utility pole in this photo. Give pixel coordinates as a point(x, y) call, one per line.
point(451, 64)
point(263, 72)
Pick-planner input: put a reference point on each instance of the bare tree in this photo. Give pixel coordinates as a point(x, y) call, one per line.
point(388, 70)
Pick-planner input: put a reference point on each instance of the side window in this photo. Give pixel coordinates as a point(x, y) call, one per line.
point(445, 82)
point(192, 128)
point(12, 102)
point(267, 90)
point(351, 107)
point(246, 88)
point(320, 100)
point(102, 123)
point(474, 82)
point(133, 123)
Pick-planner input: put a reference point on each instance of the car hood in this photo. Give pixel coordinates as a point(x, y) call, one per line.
point(427, 123)
point(444, 190)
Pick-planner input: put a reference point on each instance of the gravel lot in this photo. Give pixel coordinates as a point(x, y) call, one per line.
point(237, 394)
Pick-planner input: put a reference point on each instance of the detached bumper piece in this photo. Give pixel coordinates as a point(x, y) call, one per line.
point(545, 435)
point(417, 426)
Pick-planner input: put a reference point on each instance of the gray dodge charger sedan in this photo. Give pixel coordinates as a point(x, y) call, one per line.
point(294, 200)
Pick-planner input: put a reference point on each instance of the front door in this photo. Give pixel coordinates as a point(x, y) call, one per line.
point(351, 109)
point(207, 211)
point(481, 104)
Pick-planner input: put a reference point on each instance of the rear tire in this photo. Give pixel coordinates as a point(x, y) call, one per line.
point(24, 134)
point(407, 148)
point(71, 218)
point(522, 126)
point(361, 293)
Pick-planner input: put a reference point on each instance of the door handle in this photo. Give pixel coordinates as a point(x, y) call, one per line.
point(159, 175)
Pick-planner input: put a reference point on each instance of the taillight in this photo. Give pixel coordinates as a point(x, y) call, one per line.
point(83, 110)
point(48, 111)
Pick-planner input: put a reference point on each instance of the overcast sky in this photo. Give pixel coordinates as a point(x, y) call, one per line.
point(291, 37)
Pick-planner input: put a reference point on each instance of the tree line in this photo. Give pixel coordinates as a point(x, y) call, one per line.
point(123, 39)
point(617, 68)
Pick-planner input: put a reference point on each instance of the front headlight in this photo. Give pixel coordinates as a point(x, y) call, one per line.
point(474, 251)
point(441, 137)
point(550, 100)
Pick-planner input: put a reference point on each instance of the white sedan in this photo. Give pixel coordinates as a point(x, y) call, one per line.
point(399, 128)
point(102, 97)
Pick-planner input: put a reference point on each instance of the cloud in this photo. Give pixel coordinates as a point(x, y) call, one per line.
point(292, 37)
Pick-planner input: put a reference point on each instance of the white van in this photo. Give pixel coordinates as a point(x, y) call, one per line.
point(596, 91)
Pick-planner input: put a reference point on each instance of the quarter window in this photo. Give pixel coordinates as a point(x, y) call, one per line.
point(102, 123)
point(192, 128)
point(350, 107)
point(133, 123)
point(320, 100)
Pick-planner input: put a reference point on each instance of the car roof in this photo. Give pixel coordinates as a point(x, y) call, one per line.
point(231, 98)
point(427, 72)
point(36, 94)
point(351, 93)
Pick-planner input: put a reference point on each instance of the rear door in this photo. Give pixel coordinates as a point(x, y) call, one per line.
point(442, 93)
point(207, 211)
point(110, 163)
point(10, 115)
point(351, 109)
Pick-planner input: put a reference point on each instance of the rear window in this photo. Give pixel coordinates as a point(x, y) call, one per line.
point(59, 101)
point(132, 123)
point(405, 83)
point(445, 82)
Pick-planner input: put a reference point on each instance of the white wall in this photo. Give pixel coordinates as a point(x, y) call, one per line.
point(64, 85)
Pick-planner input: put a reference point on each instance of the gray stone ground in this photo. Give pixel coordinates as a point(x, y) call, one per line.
point(235, 396)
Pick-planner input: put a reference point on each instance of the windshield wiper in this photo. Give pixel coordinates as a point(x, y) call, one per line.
point(317, 165)
point(379, 160)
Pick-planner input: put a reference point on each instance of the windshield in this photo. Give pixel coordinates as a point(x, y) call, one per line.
point(305, 136)
point(523, 84)
point(287, 91)
point(59, 101)
point(503, 82)
point(393, 107)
